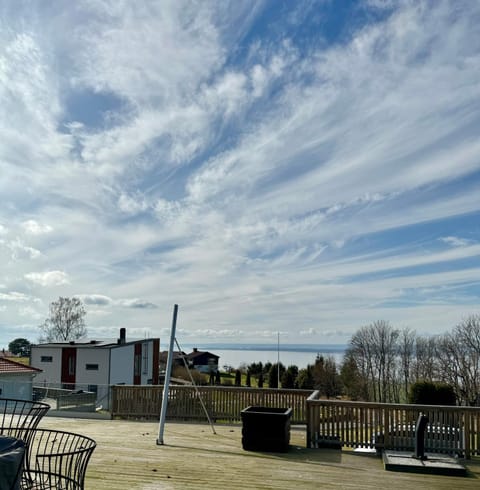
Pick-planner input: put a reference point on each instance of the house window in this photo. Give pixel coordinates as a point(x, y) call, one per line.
point(93, 388)
point(91, 367)
point(137, 365)
point(145, 358)
point(46, 359)
point(71, 366)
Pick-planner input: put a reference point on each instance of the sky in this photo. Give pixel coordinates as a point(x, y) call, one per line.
point(273, 167)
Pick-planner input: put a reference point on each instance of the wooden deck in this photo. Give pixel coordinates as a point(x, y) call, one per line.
point(127, 457)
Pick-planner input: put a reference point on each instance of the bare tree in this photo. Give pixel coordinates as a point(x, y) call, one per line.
point(406, 351)
point(66, 321)
point(361, 353)
point(425, 366)
point(385, 338)
point(459, 358)
point(374, 350)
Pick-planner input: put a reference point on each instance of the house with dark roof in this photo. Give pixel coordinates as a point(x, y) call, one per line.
point(203, 361)
point(16, 379)
point(177, 359)
point(95, 365)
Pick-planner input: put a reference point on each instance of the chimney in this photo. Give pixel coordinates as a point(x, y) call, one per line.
point(195, 349)
point(123, 336)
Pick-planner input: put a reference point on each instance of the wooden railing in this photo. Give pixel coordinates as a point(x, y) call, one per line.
point(454, 430)
point(222, 403)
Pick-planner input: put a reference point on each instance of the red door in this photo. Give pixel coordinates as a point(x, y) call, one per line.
point(137, 364)
point(69, 365)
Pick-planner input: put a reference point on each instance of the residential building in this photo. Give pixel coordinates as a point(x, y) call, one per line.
point(94, 365)
point(177, 359)
point(16, 379)
point(203, 361)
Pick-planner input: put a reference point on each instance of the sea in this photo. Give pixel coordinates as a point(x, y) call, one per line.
point(300, 355)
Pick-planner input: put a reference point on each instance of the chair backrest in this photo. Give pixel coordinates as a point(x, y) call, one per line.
point(19, 418)
point(57, 459)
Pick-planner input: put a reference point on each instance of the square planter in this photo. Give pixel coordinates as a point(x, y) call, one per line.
point(266, 428)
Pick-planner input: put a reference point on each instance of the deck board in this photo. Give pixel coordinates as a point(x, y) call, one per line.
point(192, 457)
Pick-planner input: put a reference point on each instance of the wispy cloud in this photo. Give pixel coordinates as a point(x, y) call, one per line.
point(48, 278)
point(455, 241)
point(268, 170)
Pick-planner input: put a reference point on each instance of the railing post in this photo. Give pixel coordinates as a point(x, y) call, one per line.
point(386, 429)
point(307, 412)
point(466, 425)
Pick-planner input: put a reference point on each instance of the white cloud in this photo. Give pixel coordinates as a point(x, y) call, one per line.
point(131, 205)
point(32, 227)
point(95, 299)
point(14, 296)
point(136, 303)
point(163, 154)
point(455, 241)
point(21, 251)
point(48, 278)
point(31, 313)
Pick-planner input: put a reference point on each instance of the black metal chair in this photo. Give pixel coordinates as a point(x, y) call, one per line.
point(57, 460)
point(19, 418)
point(12, 454)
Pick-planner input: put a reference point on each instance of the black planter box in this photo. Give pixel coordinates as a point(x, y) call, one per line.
point(266, 429)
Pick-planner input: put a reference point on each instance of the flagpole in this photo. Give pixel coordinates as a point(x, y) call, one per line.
point(278, 360)
point(166, 384)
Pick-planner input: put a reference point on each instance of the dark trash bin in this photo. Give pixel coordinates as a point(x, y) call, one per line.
point(266, 428)
point(12, 454)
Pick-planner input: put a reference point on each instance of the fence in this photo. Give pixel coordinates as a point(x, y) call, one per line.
point(391, 426)
point(222, 403)
point(65, 400)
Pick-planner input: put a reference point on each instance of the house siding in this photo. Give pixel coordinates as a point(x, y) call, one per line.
point(51, 370)
point(116, 365)
point(121, 368)
point(17, 386)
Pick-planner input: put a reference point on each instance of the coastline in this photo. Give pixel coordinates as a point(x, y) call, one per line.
point(290, 354)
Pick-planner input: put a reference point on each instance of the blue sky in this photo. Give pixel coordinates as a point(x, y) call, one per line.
point(301, 167)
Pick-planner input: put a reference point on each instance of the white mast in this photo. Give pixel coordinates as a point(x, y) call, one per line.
point(163, 411)
point(278, 360)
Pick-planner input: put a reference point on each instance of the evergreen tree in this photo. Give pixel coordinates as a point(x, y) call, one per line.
point(305, 378)
point(273, 375)
point(289, 377)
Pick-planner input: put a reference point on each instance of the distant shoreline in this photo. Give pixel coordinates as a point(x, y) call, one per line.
point(334, 348)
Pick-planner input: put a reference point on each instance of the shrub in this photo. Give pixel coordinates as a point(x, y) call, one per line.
point(182, 373)
point(428, 393)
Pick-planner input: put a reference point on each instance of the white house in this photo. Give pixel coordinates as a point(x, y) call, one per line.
point(94, 365)
point(16, 379)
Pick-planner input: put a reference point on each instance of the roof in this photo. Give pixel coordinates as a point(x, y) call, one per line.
point(89, 344)
point(198, 353)
point(8, 366)
point(177, 355)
